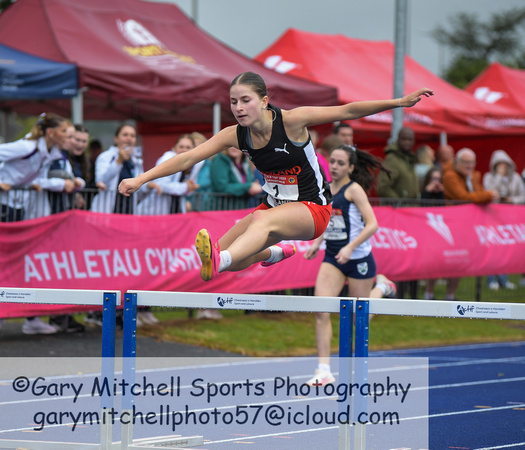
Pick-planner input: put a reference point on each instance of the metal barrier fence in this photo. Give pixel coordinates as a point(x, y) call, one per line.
point(23, 204)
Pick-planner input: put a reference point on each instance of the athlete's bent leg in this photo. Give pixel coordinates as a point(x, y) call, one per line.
point(268, 227)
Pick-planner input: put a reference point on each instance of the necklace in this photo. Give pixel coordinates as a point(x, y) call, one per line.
point(274, 116)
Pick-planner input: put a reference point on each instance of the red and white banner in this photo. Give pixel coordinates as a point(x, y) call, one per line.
point(85, 250)
point(451, 241)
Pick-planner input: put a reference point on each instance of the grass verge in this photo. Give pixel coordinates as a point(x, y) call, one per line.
point(293, 334)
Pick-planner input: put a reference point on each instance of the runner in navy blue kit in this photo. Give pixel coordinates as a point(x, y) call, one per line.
point(348, 255)
point(297, 204)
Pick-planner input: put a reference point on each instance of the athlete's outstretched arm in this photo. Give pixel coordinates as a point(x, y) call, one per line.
point(318, 115)
point(221, 141)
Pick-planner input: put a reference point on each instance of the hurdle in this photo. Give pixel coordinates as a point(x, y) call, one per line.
point(348, 308)
point(109, 301)
point(429, 308)
point(134, 299)
point(422, 308)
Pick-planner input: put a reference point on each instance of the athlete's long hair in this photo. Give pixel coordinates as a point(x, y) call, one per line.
point(366, 166)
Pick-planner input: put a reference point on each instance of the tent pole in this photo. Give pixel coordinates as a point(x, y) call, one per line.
point(77, 106)
point(77, 115)
point(399, 64)
point(5, 132)
point(195, 11)
point(443, 138)
point(216, 117)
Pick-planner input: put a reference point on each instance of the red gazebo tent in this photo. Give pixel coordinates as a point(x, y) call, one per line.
point(364, 70)
point(141, 60)
point(500, 85)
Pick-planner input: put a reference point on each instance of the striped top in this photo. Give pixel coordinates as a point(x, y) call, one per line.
point(345, 225)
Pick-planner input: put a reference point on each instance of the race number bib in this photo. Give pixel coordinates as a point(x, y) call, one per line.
point(336, 229)
point(281, 188)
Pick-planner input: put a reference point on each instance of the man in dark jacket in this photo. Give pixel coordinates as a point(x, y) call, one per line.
point(402, 183)
point(400, 160)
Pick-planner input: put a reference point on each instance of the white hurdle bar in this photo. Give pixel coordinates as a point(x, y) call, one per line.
point(109, 301)
point(55, 296)
point(209, 301)
point(445, 308)
point(428, 308)
point(423, 308)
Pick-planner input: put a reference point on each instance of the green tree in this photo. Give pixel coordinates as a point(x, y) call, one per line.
point(475, 44)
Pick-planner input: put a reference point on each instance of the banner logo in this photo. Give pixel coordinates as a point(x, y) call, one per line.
point(276, 62)
point(486, 95)
point(438, 224)
point(222, 301)
point(147, 48)
point(465, 309)
point(362, 268)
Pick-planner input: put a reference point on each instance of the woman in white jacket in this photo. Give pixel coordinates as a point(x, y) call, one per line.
point(56, 184)
point(111, 166)
point(503, 178)
point(28, 159)
point(168, 194)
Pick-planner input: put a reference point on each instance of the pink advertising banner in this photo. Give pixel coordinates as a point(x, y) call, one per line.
point(85, 250)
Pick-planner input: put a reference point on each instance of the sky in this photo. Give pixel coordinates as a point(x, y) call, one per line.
point(251, 26)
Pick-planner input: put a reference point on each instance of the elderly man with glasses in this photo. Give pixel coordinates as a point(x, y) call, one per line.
point(462, 182)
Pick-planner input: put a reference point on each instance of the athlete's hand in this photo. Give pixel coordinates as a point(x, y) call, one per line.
point(312, 251)
point(411, 99)
point(128, 186)
point(343, 256)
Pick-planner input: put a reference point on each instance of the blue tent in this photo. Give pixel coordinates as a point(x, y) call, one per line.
point(24, 76)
